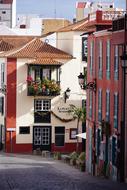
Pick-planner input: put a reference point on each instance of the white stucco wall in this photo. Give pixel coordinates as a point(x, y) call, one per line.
point(25, 104)
point(14, 13)
point(65, 41)
point(33, 29)
point(25, 107)
point(71, 42)
point(50, 39)
point(7, 18)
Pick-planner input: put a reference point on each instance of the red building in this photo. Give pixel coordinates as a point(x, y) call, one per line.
point(6, 1)
point(106, 105)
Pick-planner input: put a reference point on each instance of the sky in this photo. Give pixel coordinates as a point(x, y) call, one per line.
point(46, 8)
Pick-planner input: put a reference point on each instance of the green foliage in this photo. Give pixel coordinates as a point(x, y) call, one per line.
point(74, 155)
point(81, 159)
point(79, 113)
point(73, 158)
point(82, 156)
point(45, 86)
point(57, 155)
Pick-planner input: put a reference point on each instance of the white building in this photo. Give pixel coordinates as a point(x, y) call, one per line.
point(8, 13)
point(84, 8)
point(36, 110)
point(70, 39)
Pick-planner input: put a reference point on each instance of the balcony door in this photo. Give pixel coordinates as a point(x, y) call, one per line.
point(42, 138)
point(42, 73)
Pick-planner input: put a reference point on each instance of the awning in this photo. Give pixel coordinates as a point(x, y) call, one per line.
point(82, 135)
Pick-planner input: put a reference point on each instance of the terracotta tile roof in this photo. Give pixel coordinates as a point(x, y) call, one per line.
point(42, 61)
point(78, 26)
point(84, 25)
point(37, 49)
point(5, 46)
point(10, 42)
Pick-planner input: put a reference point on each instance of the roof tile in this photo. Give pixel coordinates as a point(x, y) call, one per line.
point(37, 49)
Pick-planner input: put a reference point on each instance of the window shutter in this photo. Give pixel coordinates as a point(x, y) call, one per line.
point(116, 105)
point(100, 105)
point(107, 105)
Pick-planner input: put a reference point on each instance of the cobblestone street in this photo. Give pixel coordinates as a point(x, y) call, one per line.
point(26, 172)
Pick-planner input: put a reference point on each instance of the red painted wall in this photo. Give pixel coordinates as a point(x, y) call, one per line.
point(7, 1)
point(11, 102)
point(104, 84)
point(23, 148)
point(116, 38)
point(67, 148)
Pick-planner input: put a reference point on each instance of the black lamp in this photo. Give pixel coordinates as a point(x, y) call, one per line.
point(81, 80)
point(84, 85)
point(3, 89)
point(67, 94)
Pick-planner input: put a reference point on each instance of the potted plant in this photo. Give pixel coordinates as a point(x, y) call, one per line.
point(73, 158)
point(57, 155)
point(81, 161)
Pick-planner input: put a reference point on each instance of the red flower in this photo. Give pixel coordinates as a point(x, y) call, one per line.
point(29, 79)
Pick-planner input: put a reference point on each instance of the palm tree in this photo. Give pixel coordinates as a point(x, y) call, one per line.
point(80, 115)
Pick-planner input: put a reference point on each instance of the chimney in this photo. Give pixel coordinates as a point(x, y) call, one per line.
point(80, 10)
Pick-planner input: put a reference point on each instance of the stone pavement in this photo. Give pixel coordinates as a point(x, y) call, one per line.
point(29, 172)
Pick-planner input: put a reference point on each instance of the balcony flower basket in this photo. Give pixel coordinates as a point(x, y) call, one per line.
point(45, 87)
point(29, 80)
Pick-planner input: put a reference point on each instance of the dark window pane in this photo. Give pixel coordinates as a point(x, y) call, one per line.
point(84, 49)
point(42, 117)
point(24, 130)
point(59, 130)
point(59, 140)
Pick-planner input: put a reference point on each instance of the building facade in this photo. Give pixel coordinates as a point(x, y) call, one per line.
point(36, 109)
point(106, 145)
point(8, 13)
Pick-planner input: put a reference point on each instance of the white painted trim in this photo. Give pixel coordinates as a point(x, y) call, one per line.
point(102, 33)
point(11, 129)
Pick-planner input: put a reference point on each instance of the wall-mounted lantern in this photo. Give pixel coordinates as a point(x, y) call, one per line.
point(67, 94)
point(84, 85)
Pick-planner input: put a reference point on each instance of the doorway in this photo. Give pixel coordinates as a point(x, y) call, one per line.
point(42, 138)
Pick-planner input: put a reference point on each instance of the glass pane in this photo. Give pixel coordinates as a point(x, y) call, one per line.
point(59, 140)
point(46, 73)
point(59, 130)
